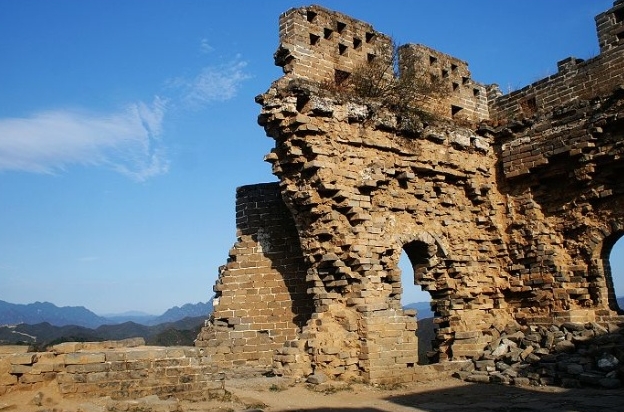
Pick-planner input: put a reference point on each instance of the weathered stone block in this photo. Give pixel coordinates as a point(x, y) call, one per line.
point(82, 358)
point(23, 358)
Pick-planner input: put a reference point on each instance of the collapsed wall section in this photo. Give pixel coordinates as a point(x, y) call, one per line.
point(362, 190)
point(507, 225)
point(560, 148)
point(261, 296)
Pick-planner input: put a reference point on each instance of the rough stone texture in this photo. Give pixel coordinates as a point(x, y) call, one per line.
point(507, 206)
point(119, 369)
point(261, 298)
point(323, 46)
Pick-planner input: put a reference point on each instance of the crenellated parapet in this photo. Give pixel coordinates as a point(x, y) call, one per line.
point(326, 47)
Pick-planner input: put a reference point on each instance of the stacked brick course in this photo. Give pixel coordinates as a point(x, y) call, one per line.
point(120, 369)
point(261, 296)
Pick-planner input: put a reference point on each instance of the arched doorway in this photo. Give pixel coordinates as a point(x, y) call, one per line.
point(616, 272)
point(413, 296)
point(610, 268)
point(416, 261)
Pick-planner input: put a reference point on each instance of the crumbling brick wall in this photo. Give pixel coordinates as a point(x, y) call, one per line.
point(261, 296)
point(507, 206)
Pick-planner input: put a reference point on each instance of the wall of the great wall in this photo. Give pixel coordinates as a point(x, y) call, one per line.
point(507, 227)
point(507, 207)
point(327, 47)
point(575, 79)
point(560, 147)
point(261, 299)
point(119, 369)
point(364, 191)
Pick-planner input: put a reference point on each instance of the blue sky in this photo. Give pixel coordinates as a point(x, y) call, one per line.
point(125, 127)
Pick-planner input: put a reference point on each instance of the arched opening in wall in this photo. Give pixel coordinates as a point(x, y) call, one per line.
point(613, 267)
point(414, 257)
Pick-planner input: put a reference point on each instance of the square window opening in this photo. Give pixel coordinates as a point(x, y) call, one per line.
point(455, 86)
point(340, 26)
point(327, 33)
point(369, 37)
point(455, 110)
point(453, 67)
point(342, 49)
point(445, 73)
point(433, 60)
point(310, 16)
point(370, 57)
point(465, 80)
point(340, 76)
point(357, 43)
point(529, 106)
point(619, 15)
point(314, 39)
point(476, 92)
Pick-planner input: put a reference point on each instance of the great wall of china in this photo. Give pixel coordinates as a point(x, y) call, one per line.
point(507, 206)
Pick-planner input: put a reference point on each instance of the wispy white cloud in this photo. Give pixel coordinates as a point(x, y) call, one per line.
point(213, 84)
point(127, 141)
point(205, 47)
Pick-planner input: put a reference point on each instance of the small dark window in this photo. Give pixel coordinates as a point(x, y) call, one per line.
point(445, 73)
point(340, 76)
point(465, 80)
point(340, 26)
point(453, 67)
point(455, 86)
point(620, 36)
point(327, 33)
point(369, 37)
point(529, 106)
point(619, 15)
point(476, 92)
point(370, 57)
point(310, 15)
point(357, 43)
point(342, 49)
point(455, 110)
point(314, 39)
point(433, 60)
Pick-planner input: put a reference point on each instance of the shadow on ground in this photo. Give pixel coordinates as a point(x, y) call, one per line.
point(492, 397)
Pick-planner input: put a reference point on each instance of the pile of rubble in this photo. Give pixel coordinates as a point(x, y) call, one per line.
point(570, 355)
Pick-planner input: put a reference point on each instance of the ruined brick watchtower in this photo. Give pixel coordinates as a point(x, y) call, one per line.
point(507, 206)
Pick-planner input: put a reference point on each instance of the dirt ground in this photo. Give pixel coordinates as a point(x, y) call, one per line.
point(275, 394)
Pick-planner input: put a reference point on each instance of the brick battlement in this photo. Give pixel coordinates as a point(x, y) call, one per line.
point(326, 46)
point(321, 45)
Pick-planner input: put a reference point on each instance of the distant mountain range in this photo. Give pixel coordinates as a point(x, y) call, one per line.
point(45, 312)
point(41, 324)
point(41, 335)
